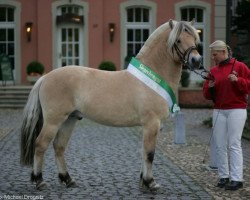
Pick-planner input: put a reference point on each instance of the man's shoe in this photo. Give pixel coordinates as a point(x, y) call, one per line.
point(234, 185)
point(222, 182)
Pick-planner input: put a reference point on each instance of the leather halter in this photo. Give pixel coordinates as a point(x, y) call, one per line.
point(184, 57)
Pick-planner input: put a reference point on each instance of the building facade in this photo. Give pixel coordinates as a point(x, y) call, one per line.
point(86, 32)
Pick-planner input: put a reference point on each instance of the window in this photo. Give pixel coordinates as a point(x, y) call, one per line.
point(6, 14)
point(137, 29)
point(70, 9)
point(7, 33)
point(188, 14)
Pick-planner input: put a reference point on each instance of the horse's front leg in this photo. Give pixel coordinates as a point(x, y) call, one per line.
point(150, 131)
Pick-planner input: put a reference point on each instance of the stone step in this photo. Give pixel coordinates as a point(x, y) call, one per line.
point(14, 96)
point(11, 106)
point(13, 101)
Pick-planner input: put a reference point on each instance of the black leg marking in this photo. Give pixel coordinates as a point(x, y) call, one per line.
point(36, 178)
point(146, 184)
point(40, 184)
point(65, 178)
point(151, 156)
point(149, 184)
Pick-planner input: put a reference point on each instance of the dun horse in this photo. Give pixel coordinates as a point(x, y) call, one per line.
point(65, 95)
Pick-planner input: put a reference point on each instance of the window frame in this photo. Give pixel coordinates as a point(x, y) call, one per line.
point(15, 24)
point(206, 31)
point(124, 25)
point(197, 25)
point(134, 25)
point(85, 41)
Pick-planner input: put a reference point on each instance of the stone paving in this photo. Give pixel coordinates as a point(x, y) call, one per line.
point(105, 162)
point(189, 157)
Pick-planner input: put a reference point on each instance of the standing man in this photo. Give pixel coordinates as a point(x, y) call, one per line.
point(228, 86)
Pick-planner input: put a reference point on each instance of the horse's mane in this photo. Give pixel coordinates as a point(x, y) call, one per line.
point(160, 34)
point(179, 27)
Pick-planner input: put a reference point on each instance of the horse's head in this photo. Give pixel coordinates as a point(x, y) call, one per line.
point(182, 43)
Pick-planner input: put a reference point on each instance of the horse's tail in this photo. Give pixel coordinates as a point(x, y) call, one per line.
point(31, 125)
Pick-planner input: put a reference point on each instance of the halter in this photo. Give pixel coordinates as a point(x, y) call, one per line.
point(184, 58)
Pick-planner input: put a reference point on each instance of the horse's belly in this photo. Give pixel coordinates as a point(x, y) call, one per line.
point(112, 115)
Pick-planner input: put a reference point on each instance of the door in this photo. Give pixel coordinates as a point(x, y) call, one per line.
point(69, 48)
point(69, 35)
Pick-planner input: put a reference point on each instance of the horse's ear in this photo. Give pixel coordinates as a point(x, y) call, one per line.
point(192, 22)
point(171, 23)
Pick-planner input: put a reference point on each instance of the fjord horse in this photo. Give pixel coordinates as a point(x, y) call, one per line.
point(65, 95)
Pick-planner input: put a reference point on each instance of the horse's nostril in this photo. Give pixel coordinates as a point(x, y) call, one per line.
point(196, 61)
point(193, 60)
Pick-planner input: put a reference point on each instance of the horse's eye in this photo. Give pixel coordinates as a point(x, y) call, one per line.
point(178, 41)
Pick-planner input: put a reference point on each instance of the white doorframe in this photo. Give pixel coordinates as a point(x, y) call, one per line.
point(85, 37)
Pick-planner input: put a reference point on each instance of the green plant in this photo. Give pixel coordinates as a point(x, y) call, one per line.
point(185, 78)
point(35, 68)
point(199, 83)
point(107, 65)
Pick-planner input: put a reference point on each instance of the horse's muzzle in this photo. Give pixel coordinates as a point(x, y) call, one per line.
point(195, 62)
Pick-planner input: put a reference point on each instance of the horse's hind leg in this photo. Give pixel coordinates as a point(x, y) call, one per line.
point(150, 131)
point(46, 135)
point(60, 144)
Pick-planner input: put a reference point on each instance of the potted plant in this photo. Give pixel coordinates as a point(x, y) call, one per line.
point(185, 78)
point(107, 65)
point(34, 71)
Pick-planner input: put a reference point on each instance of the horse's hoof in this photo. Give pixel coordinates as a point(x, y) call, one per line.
point(67, 180)
point(41, 185)
point(149, 185)
point(71, 184)
point(154, 186)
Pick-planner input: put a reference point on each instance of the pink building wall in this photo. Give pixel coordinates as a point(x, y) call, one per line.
point(101, 13)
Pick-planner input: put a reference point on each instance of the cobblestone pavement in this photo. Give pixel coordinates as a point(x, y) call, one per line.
point(105, 162)
point(189, 157)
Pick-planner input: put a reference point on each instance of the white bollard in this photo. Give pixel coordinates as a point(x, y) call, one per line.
point(179, 129)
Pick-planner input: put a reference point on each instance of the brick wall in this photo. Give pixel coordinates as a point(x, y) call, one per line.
point(193, 98)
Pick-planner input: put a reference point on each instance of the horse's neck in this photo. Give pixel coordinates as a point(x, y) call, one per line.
point(160, 63)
